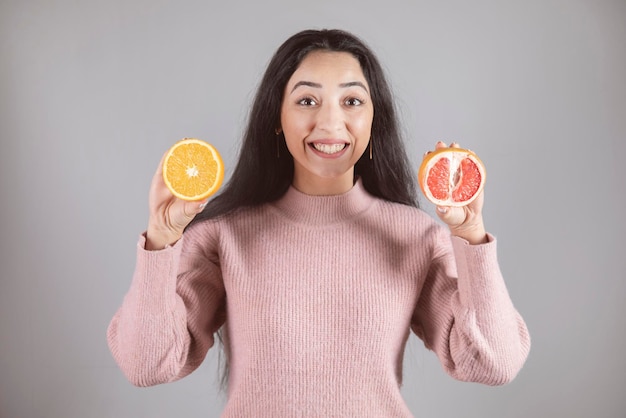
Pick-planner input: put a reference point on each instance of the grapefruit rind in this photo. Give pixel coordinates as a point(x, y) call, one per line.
point(455, 156)
point(193, 165)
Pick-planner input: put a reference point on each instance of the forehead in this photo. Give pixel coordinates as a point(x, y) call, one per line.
point(329, 64)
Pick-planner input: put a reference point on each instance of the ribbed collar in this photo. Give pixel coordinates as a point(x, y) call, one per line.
point(324, 210)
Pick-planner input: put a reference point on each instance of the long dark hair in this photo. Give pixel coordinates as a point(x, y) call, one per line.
point(260, 176)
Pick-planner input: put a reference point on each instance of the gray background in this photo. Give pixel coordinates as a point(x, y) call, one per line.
point(93, 93)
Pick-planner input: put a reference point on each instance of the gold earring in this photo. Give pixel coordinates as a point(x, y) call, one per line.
point(278, 132)
point(371, 152)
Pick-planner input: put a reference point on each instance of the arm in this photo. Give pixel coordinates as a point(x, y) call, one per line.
point(465, 315)
point(167, 320)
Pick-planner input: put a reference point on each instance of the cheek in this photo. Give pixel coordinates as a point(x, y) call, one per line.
point(295, 126)
point(295, 131)
point(363, 127)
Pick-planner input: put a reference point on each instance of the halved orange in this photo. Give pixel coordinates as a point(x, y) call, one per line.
point(451, 176)
point(193, 169)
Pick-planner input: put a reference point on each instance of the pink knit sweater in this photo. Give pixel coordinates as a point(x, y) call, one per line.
point(320, 294)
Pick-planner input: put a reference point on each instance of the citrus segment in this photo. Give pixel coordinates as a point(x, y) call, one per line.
point(451, 176)
point(193, 169)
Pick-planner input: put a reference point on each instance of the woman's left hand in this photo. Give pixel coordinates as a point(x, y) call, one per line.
point(465, 221)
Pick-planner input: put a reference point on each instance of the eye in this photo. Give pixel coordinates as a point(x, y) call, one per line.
point(353, 101)
point(307, 101)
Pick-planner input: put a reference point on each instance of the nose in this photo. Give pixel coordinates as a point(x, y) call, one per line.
point(330, 117)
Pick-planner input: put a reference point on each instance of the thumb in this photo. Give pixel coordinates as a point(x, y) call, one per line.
point(184, 212)
point(191, 209)
point(451, 216)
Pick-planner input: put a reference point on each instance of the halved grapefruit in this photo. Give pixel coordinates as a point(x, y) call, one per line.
point(451, 176)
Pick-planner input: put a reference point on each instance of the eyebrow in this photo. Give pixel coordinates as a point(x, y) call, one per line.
point(318, 85)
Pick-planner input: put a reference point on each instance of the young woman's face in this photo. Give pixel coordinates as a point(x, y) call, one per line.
point(326, 117)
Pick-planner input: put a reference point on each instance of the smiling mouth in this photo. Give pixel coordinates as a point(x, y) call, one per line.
point(329, 148)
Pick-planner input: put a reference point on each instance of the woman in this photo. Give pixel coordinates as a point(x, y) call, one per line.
point(315, 261)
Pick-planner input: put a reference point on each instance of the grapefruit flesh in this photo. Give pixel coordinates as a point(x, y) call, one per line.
point(451, 176)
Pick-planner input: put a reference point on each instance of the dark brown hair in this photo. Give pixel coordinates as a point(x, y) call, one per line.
point(260, 177)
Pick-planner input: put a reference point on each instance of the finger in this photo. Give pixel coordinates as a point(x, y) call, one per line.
point(451, 216)
point(158, 183)
point(181, 213)
point(438, 145)
point(191, 209)
point(159, 170)
point(455, 145)
point(159, 192)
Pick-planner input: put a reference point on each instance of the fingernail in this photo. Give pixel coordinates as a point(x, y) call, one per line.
point(202, 205)
point(441, 209)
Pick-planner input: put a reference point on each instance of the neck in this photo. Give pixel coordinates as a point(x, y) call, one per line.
point(324, 210)
point(324, 186)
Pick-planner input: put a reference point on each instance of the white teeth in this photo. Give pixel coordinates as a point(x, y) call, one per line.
point(329, 148)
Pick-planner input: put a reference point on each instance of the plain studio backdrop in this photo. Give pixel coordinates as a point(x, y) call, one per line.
point(93, 93)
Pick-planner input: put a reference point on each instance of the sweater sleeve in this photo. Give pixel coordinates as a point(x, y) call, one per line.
point(465, 315)
point(167, 320)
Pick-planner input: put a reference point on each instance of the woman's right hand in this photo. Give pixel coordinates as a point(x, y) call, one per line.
point(169, 215)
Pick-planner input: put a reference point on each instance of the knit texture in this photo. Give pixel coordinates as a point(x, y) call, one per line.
point(318, 295)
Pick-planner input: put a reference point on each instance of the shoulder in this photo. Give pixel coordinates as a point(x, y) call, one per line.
point(212, 227)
